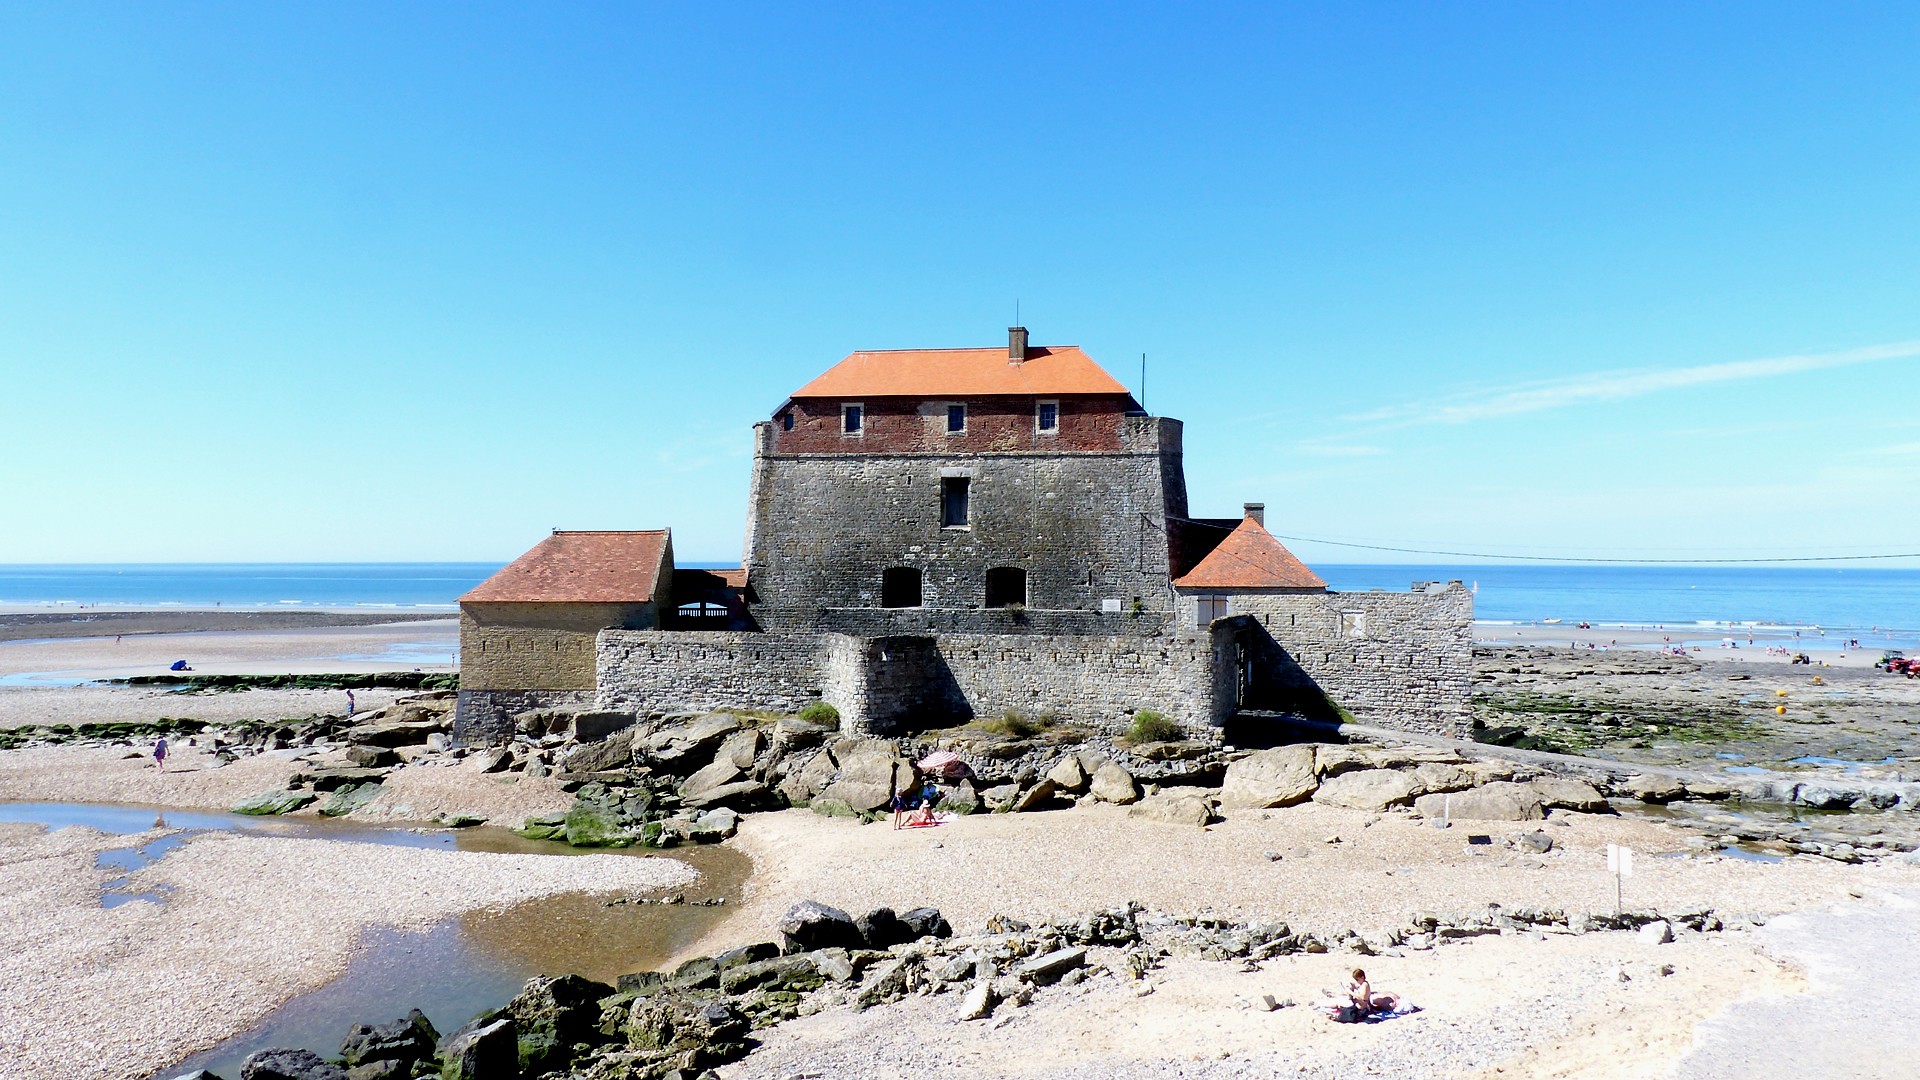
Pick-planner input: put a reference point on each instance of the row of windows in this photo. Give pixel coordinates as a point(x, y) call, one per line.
point(1006, 586)
point(853, 418)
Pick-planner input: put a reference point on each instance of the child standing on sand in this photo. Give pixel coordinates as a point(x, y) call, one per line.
point(160, 753)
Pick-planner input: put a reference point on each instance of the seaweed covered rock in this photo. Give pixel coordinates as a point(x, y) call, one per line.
point(486, 1049)
point(553, 1016)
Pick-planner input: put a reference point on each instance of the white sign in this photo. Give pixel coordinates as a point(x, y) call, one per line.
point(1620, 860)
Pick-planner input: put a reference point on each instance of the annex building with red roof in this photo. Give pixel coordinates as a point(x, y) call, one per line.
point(934, 534)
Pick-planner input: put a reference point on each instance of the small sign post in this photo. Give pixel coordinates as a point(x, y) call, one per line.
point(1620, 865)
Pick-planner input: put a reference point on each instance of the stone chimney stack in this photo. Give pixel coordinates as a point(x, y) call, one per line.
point(1258, 512)
point(1016, 344)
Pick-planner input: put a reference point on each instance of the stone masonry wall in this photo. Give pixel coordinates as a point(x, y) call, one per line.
point(890, 684)
point(645, 672)
point(1399, 660)
point(537, 646)
point(1086, 527)
point(486, 716)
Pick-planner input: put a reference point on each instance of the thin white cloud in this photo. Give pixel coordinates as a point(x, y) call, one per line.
point(1317, 448)
point(1911, 449)
point(1608, 386)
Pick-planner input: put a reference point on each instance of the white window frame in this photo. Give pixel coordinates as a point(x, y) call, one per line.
point(1055, 429)
point(862, 429)
point(947, 412)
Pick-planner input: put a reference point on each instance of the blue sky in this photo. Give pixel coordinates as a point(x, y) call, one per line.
point(421, 282)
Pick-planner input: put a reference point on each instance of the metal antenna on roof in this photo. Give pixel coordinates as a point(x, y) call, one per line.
point(1143, 382)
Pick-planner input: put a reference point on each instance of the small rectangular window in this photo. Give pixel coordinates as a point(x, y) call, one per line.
point(853, 419)
point(953, 501)
point(956, 419)
point(786, 420)
point(1047, 416)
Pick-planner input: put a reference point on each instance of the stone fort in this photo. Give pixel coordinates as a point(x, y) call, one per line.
point(939, 534)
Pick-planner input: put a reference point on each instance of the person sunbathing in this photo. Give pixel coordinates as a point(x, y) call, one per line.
point(1365, 1001)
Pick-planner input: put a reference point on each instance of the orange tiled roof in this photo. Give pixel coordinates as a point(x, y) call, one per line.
point(581, 568)
point(1058, 369)
point(1250, 558)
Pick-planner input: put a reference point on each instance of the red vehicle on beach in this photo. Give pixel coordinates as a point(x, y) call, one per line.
point(1894, 662)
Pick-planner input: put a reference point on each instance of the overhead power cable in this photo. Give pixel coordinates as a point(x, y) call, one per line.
point(1572, 558)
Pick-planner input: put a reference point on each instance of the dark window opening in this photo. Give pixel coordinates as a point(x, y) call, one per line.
point(953, 501)
point(900, 587)
point(956, 419)
point(1006, 587)
point(1048, 417)
point(786, 421)
point(853, 419)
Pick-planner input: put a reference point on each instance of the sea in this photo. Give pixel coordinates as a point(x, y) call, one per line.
point(1825, 604)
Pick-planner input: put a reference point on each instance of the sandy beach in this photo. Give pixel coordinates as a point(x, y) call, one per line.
point(1535, 1005)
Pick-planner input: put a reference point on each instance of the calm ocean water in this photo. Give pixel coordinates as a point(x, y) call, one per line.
point(1834, 599)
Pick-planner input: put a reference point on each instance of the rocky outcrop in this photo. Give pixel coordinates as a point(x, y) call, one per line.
point(1368, 789)
point(1282, 776)
point(283, 1064)
point(1501, 800)
point(410, 1039)
point(274, 802)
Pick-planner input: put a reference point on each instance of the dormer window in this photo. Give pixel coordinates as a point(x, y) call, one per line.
point(1046, 417)
point(956, 419)
point(853, 419)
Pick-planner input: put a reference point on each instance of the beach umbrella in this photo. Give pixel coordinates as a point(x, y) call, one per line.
point(944, 763)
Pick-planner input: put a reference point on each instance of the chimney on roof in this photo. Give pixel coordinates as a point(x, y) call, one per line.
point(1258, 512)
point(1016, 344)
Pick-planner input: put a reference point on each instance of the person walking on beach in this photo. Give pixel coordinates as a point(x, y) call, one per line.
point(349, 704)
point(160, 753)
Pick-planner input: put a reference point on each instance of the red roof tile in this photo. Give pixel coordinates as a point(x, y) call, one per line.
point(1250, 558)
point(1058, 369)
point(582, 568)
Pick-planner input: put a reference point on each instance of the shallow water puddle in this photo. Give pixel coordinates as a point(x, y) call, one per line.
point(479, 961)
point(459, 968)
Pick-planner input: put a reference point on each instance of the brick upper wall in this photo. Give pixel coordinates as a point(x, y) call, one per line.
point(910, 425)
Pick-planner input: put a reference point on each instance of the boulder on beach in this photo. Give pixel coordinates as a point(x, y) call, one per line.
point(1069, 775)
point(871, 770)
point(1281, 776)
point(346, 800)
point(1113, 784)
point(408, 1039)
point(810, 925)
point(274, 802)
point(1368, 789)
point(613, 752)
point(1562, 794)
point(1174, 809)
point(552, 1015)
point(682, 748)
point(281, 1063)
point(1502, 800)
point(486, 1049)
